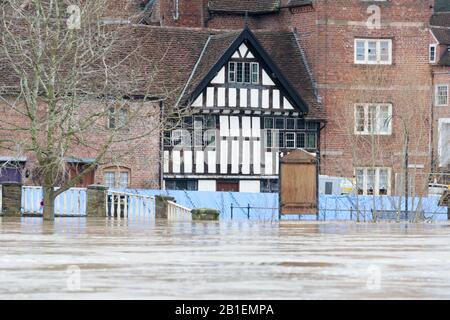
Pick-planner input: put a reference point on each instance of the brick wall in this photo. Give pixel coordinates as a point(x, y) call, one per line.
point(141, 156)
point(327, 32)
point(405, 84)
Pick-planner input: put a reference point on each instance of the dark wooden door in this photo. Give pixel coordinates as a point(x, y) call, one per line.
point(227, 186)
point(87, 180)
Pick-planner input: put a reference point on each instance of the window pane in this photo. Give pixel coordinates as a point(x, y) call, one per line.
point(372, 116)
point(269, 186)
point(279, 123)
point(372, 51)
point(210, 138)
point(176, 137)
point(280, 139)
point(301, 124)
point(247, 72)
point(384, 48)
point(360, 50)
point(290, 124)
point(312, 125)
point(210, 122)
point(370, 181)
point(442, 95)
point(255, 73)
point(112, 118)
point(300, 140)
point(239, 76)
point(359, 118)
point(191, 185)
point(290, 140)
point(383, 182)
point(268, 139)
point(432, 53)
point(187, 122)
point(311, 141)
point(167, 136)
point(198, 138)
point(123, 183)
point(232, 72)
point(360, 181)
point(268, 123)
point(384, 119)
point(170, 184)
point(198, 122)
point(181, 138)
point(109, 179)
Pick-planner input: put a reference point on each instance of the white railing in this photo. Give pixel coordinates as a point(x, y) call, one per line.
point(68, 204)
point(125, 205)
point(176, 212)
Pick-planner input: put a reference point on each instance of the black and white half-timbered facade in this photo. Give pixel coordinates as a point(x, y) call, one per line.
point(244, 112)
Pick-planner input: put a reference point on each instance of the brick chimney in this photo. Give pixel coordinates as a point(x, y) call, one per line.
point(183, 13)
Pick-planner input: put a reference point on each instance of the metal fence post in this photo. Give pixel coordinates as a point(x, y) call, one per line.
point(248, 211)
point(231, 211)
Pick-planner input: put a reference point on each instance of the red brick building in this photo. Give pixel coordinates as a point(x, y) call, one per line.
point(367, 79)
point(440, 60)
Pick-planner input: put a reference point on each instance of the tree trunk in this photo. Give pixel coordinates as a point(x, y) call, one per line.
point(49, 204)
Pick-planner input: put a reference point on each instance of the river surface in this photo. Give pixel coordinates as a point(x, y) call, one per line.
point(107, 259)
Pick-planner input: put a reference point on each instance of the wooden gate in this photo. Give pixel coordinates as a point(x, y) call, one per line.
point(298, 183)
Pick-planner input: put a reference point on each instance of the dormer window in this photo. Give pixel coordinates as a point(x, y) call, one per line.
point(432, 53)
point(243, 72)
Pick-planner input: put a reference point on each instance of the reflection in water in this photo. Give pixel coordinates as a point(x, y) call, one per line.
point(137, 258)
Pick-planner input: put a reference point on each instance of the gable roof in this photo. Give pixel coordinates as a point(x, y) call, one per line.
point(170, 63)
point(242, 6)
point(440, 26)
point(274, 50)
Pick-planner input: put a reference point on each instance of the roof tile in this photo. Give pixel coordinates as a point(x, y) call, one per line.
point(241, 6)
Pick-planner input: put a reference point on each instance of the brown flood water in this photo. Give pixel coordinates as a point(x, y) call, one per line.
point(106, 259)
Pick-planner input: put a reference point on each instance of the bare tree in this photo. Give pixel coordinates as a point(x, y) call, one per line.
point(392, 139)
point(73, 86)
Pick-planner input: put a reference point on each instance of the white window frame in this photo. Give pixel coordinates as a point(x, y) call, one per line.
point(116, 175)
point(431, 57)
point(235, 73)
point(378, 125)
point(294, 142)
point(254, 73)
point(377, 179)
point(437, 102)
point(378, 53)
